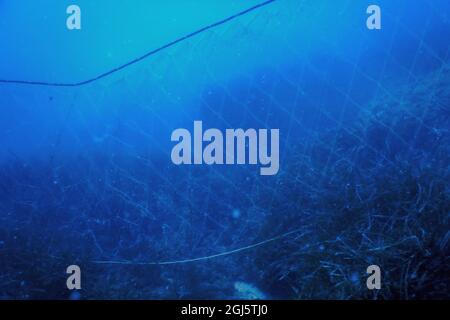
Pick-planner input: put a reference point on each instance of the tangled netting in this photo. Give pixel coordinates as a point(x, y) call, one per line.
point(364, 184)
point(380, 196)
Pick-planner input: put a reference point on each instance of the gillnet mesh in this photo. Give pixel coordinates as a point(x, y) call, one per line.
point(363, 178)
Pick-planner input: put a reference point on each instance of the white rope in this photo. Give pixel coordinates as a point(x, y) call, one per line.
point(128, 262)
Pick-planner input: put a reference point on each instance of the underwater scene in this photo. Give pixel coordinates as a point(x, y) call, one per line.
point(194, 149)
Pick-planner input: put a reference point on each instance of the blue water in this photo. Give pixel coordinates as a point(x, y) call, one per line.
point(86, 176)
